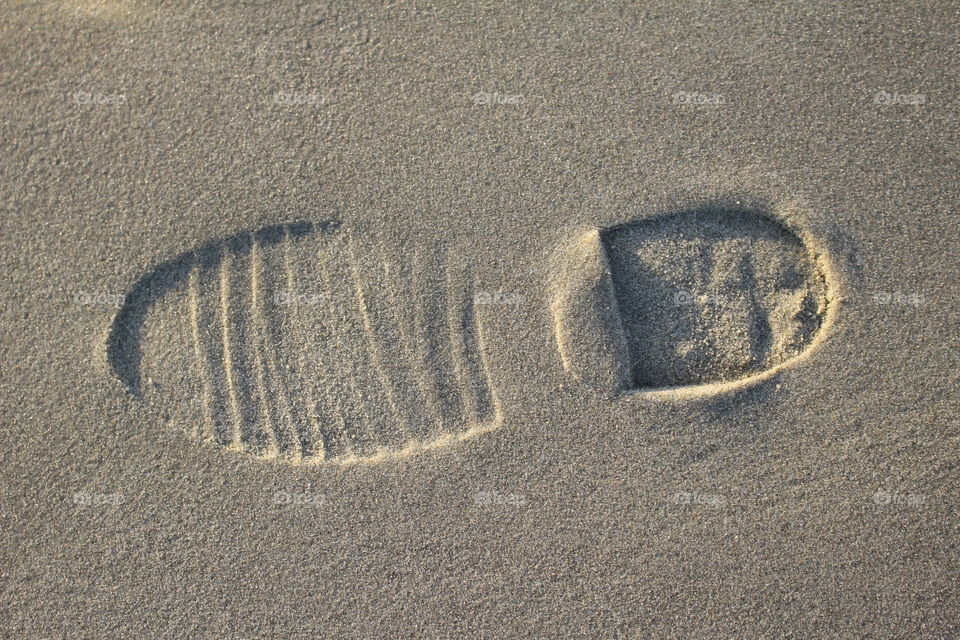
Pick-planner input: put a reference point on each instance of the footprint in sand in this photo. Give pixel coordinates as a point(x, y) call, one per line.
point(694, 302)
point(297, 342)
point(302, 343)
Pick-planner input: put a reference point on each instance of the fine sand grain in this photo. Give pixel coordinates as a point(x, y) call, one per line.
point(477, 320)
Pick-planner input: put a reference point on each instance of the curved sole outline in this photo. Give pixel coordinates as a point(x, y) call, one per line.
point(824, 269)
point(124, 351)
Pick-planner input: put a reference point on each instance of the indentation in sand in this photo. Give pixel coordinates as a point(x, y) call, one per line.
point(692, 302)
point(301, 343)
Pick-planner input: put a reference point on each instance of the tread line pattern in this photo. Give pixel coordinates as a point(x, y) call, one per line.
point(365, 363)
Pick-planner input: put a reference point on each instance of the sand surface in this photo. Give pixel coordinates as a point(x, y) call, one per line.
point(468, 320)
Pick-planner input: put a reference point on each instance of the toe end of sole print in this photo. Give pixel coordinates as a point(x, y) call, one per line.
point(697, 302)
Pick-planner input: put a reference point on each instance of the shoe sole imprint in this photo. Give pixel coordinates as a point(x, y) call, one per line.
point(296, 342)
point(696, 302)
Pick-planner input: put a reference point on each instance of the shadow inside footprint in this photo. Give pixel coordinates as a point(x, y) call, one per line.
point(124, 350)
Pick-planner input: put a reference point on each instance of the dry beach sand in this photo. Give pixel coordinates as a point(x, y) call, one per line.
point(477, 320)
